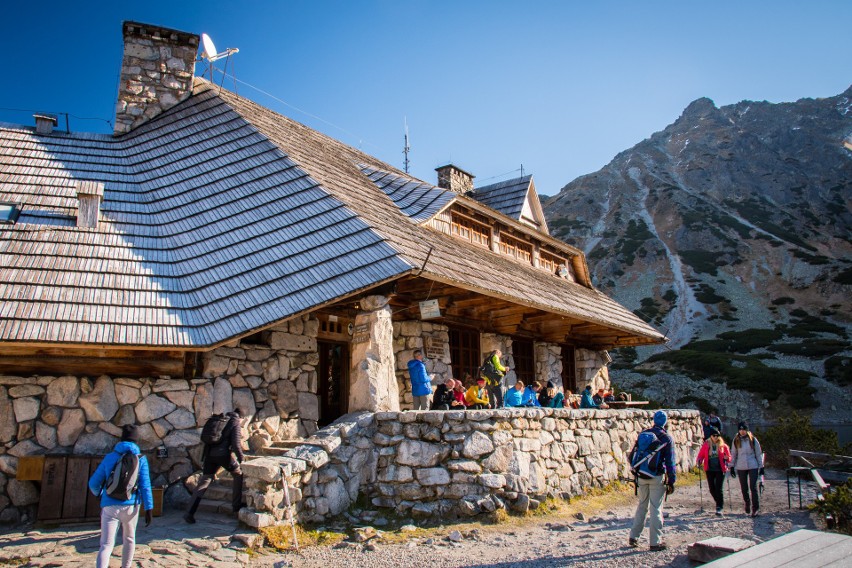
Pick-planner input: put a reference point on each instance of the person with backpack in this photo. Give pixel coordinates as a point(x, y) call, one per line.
point(223, 448)
point(747, 460)
point(711, 422)
point(652, 461)
point(421, 383)
point(123, 482)
point(715, 456)
point(493, 372)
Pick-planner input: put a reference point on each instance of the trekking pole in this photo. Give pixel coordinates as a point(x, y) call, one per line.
point(286, 488)
point(730, 503)
point(701, 490)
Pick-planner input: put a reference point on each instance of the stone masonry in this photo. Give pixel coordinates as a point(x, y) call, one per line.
point(156, 73)
point(456, 463)
point(411, 335)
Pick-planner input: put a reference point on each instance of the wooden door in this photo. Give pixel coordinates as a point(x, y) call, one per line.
point(333, 387)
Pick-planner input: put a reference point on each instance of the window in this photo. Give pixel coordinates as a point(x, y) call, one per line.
point(516, 248)
point(8, 212)
point(523, 354)
point(569, 370)
point(550, 262)
point(470, 230)
point(464, 353)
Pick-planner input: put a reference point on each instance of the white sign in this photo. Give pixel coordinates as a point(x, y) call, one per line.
point(430, 309)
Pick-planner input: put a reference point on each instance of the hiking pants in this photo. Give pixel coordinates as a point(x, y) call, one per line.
point(651, 493)
point(716, 483)
point(422, 402)
point(495, 396)
point(211, 466)
point(111, 517)
point(748, 480)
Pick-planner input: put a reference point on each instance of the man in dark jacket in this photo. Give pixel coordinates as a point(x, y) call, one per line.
point(652, 491)
point(228, 453)
point(712, 422)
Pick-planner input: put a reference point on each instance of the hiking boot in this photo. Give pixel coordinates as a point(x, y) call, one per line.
point(748, 509)
point(633, 542)
point(189, 519)
point(659, 547)
point(718, 511)
point(755, 513)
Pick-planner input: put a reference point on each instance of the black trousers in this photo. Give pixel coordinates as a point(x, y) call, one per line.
point(716, 483)
point(748, 481)
point(211, 466)
point(495, 396)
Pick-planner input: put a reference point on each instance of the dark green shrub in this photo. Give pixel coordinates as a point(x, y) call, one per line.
point(795, 433)
point(844, 277)
point(701, 404)
point(702, 261)
point(783, 300)
point(815, 348)
point(839, 370)
point(838, 504)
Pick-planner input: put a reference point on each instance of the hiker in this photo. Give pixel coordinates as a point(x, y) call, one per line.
point(570, 401)
point(421, 383)
point(476, 396)
point(530, 396)
point(493, 372)
point(443, 398)
point(226, 451)
point(123, 510)
point(598, 398)
point(711, 421)
point(514, 397)
point(747, 461)
point(653, 456)
point(458, 394)
point(715, 456)
point(587, 401)
point(546, 395)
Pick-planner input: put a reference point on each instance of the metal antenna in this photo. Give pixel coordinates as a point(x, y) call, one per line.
point(522, 170)
point(407, 148)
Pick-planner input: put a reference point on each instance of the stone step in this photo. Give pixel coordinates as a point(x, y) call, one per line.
point(219, 492)
point(273, 451)
point(214, 506)
point(288, 443)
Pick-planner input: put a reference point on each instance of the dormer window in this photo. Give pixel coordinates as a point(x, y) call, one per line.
point(516, 248)
point(8, 212)
point(470, 230)
point(550, 262)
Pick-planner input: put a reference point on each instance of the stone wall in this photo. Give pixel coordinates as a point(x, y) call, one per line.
point(411, 335)
point(592, 369)
point(274, 385)
point(548, 363)
point(456, 463)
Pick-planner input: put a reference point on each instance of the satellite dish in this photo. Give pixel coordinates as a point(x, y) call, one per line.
point(209, 47)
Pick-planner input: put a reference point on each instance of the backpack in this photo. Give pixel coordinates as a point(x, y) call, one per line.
point(123, 480)
point(646, 459)
point(214, 429)
point(490, 372)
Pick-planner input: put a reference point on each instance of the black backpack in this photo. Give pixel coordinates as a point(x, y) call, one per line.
point(490, 372)
point(214, 429)
point(123, 480)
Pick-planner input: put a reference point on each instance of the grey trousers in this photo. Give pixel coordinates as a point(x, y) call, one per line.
point(651, 493)
point(111, 517)
point(422, 402)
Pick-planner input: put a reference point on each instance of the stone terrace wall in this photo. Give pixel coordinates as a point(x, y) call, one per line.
point(455, 463)
point(408, 336)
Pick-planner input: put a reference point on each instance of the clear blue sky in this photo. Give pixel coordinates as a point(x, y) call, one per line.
point(560, 87)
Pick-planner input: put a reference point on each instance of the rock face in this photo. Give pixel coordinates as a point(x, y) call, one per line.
point(731, 218)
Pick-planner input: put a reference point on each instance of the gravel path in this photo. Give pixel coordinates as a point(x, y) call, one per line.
point(599, 541)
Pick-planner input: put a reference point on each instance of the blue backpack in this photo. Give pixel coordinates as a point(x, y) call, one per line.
point(646, 459)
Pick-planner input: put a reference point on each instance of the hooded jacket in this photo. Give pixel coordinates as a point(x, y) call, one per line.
point(143, 491)
point(704, 454)
point(421, 384)
point(586, 400)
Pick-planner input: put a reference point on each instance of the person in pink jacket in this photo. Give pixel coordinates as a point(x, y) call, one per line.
point(715, 456)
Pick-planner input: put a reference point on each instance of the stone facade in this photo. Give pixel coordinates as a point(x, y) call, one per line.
point(156, 73)
point(373, 384)
point(274, 385)
point(411, 335)
point(592, 369)
point(456, 463)
point(548, 363)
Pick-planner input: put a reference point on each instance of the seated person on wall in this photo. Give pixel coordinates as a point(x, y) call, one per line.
point(547, 394)
point(609, 397)
point(530, 396)
point(458, 393)
point(587, 401)
point(514, 396)
point(477, 395)
point(443, 398)
point(598, 398)
point(557, 399)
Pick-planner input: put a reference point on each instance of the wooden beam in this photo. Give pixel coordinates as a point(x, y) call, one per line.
point(138, 366)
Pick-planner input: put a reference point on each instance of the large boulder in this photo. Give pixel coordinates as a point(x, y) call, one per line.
point(203, 404)
point(64, 392)
point(98, 442)
point(222, 396)
point(22, 493)
point(73, 422)
point(181, 418)
point(46, 435)
point(419, 454)
point(244, 401)
point(152, 407)
point(126, 394)
point(477, 444)
point(101, 404)
point(8, 426)
point(26, 408)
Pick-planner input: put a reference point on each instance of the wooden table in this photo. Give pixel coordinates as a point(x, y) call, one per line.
point(626, 403)
point(802, 549)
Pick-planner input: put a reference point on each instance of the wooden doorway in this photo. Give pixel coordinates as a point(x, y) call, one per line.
point(523, 354)
point(333, 387)
point(464, 353)
point(569, 369)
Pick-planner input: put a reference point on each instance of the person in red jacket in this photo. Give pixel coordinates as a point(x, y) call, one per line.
point(715, 456)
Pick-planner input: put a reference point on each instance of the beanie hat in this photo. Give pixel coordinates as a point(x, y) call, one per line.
point(660, 418)
point(743, 426)
point(715, 432)
point(130, 433)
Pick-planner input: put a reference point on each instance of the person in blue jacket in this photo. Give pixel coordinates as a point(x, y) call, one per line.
point(124, 513)
point(587, 401)
point(515, 395)
point(530, 396)
point(421, 384)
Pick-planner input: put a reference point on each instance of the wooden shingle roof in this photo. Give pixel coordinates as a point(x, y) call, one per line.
point(221, 217)
point(507, 197)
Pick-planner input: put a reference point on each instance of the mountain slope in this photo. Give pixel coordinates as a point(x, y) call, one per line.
point(731, 218)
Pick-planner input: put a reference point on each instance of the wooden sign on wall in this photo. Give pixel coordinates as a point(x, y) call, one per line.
point(434, 347)
point(361, 333)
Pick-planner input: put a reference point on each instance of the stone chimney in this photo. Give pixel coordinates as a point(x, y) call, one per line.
point(45, 123)
point(455, 179)
point(90, 194)
point(156, 73)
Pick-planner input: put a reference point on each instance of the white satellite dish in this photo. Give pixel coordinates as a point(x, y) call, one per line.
point(210, 53)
